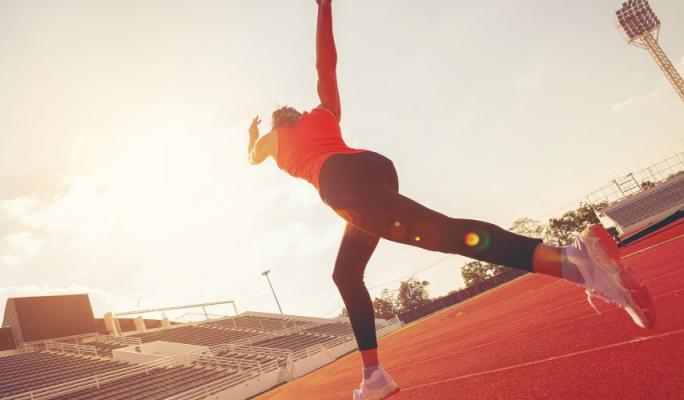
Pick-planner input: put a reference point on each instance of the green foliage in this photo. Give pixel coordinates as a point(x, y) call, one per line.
point(476, 271)
point(645, 185)
point(528, 227)
point(413, 293)
point(386, 306)
point(560, 230)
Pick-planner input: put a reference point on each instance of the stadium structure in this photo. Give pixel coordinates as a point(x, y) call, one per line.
point(640, 202)
point(52, 347)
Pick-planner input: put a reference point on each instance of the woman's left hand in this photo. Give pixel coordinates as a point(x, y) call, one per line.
point(254, 129)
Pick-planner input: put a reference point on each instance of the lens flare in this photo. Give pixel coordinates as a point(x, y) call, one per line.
point(471, 239)
point(479, 240)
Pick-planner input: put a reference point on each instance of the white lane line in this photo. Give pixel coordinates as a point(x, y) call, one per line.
point(527, 333)
point(652, 246)
point(655, 278)
point(668, 293)
point(526, 364)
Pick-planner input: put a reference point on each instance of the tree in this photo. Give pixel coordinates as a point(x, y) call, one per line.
point(528, 227)
point(412, 293)
point(386, 306)
point(645, 185)
point(475, 271)
point(560, 230)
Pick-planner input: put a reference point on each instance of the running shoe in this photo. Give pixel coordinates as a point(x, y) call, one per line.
point(603, 275)
point(379, 386)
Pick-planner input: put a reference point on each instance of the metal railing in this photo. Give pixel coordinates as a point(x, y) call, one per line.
point(206, 358)
point(92, 381)
point(635, 182)
point(61, 347)
point(207, 390)
point(336, 342)
point(308, 351)
point(187, 317)
point(277, 354)
point(256, 338)
point(126, 340)
point(247, 369)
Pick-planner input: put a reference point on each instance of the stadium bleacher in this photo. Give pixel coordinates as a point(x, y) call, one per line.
point(242, 355)
point(263, 324)
point(293, 342)
point(647, 207)
point(198, 335)
point(155, 385)
point(342, 329)
point(25, 372)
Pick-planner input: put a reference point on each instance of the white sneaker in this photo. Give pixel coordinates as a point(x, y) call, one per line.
point(597, 259)
point(378, 386)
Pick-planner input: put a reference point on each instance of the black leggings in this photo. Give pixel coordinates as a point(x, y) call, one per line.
point(363, 189)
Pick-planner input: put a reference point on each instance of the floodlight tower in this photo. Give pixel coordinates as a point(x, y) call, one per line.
point(641, 28)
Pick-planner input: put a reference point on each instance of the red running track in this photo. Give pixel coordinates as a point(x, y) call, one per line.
point(534, 338)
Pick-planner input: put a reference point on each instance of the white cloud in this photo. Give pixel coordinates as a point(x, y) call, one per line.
point(649, 96)
point(17, 245)
point(166, 232)
point(8, 260)
point(622, 104)
point(632, 100)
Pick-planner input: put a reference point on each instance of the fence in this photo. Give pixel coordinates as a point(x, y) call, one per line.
point(635, 182)
point(61, 347)
point(124, 340)
point(277, 354)
point(457, 297)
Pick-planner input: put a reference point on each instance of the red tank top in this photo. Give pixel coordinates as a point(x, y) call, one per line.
point(303, 148)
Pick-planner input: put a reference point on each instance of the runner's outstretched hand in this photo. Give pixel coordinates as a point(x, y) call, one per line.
point(254, 131)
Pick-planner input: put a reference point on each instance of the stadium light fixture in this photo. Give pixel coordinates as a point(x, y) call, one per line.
point(265, 273)
point(641, 28)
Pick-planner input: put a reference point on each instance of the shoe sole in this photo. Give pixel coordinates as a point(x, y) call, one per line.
point(392, 390)
point(644, 314)
point(642, 311)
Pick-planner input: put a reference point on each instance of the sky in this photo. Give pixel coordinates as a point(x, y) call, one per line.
point(123, 134)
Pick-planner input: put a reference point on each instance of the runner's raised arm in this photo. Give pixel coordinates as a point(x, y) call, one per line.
point(326, 60)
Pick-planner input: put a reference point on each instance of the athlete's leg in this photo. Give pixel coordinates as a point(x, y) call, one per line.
point(355, 250)
point(363, 189)
point(395, 217)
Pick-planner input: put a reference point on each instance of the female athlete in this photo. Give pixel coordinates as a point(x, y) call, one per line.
point(362, 187)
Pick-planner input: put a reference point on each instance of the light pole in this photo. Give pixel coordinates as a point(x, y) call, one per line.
point(265, 273)
point(642, 28)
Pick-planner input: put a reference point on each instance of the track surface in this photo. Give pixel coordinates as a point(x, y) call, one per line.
point(535, 338)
